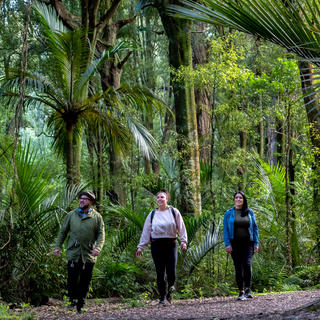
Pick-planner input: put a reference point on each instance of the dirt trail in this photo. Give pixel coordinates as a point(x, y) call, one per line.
point(269, 306)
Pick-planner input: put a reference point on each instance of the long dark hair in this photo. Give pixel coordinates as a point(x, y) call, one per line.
point(245, 208)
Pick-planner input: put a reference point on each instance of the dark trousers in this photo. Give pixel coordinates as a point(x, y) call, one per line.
point(164, 254)
point(79, 277)
point(242, 253)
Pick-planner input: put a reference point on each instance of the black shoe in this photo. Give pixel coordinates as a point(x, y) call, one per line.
point(248, 294)
point(241, 296)
point(162, 302)
point(171, 291)
point(80, 304)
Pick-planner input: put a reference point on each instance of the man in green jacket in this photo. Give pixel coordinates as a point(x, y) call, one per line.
point(86, 238)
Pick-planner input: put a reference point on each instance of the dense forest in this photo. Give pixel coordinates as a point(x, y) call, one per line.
point(126, 97)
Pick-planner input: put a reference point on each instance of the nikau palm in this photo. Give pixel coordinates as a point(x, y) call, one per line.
point(74, 103)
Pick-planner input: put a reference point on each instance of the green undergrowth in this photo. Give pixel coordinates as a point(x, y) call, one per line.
point(23, 313)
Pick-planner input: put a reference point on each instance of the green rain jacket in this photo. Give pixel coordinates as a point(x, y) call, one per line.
point(85, 234)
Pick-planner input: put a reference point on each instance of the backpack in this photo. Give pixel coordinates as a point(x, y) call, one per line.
point(172, 211)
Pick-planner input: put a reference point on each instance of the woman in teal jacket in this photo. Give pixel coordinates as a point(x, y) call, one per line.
point(241, 238)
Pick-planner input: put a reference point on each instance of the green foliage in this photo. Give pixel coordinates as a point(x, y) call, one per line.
point(307, 276)
point(6, 313)
point(116, 279)
point(31, 211)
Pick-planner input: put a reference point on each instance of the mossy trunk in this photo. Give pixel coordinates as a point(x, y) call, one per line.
point(73, 154)
point(178, 32)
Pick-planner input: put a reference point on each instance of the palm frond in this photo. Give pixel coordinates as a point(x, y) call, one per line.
point(196, 223)
point(49, 17)
point(136, 217)
point(199, 250)
point(145, 141)
point(278, 21)
point(86, 76)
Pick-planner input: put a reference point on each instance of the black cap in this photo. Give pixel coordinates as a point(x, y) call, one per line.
point(89, 194)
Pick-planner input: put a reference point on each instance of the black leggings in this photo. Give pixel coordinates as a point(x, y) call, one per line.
point(79, 277)
point(164, 254)
point(242, 253)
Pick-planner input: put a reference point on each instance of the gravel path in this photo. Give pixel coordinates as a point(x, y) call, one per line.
point(269, 306)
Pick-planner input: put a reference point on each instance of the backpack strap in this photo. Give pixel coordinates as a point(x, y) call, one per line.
point(152, 214)
point(174, 214)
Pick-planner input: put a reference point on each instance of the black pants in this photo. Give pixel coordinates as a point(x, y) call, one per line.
point(242, 253)
point(164, 254)
point(79, 277)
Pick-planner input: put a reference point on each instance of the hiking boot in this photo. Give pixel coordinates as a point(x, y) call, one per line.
point(248, 294)
point(241, 296)
point(162, 302)
point(171, 291)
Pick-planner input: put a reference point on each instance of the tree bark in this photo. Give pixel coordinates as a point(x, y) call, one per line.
point(200, 50)
point(178, 32)
point(110, 74)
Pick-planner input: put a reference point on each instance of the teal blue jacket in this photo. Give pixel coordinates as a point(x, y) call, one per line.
point(228, 227)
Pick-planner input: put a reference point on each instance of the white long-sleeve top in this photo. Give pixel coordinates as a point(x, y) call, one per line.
point(164, 225)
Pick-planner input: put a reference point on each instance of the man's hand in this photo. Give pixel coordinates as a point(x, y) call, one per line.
point(95, 252)
point(57, 252)
point(256, 249)
point(138, 253)
point(228, 249)
point(183, 247)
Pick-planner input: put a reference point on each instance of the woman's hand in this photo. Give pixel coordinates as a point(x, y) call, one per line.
point(183, 247)
point(139, 253)
point(228, 249)
point(256, 249)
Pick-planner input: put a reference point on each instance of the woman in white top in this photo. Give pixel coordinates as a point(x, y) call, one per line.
point(160, 228)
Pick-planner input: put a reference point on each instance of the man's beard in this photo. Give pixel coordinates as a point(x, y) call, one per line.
point(84, 208)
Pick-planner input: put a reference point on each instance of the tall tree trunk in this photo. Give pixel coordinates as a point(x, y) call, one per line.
point(149, 79)
point(313, 109)
point(178, 32)
point(272, 141)
point(69, 154)
point(100, 171)
point(287, 188)
point(200, 50)
point(294, 236)
point(261, 131)
point(281, 143)
point(110, 74)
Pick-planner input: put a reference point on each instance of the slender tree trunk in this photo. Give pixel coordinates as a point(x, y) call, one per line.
point(287, 188)
point(178, 32)
point(261, 131)
point(272, 141)
point(281, 143)
point(69, 154)
point(149, 80)
point(294, 236)
point(100, 171)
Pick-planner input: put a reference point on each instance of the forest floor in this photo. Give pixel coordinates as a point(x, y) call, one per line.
point(267, 306)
